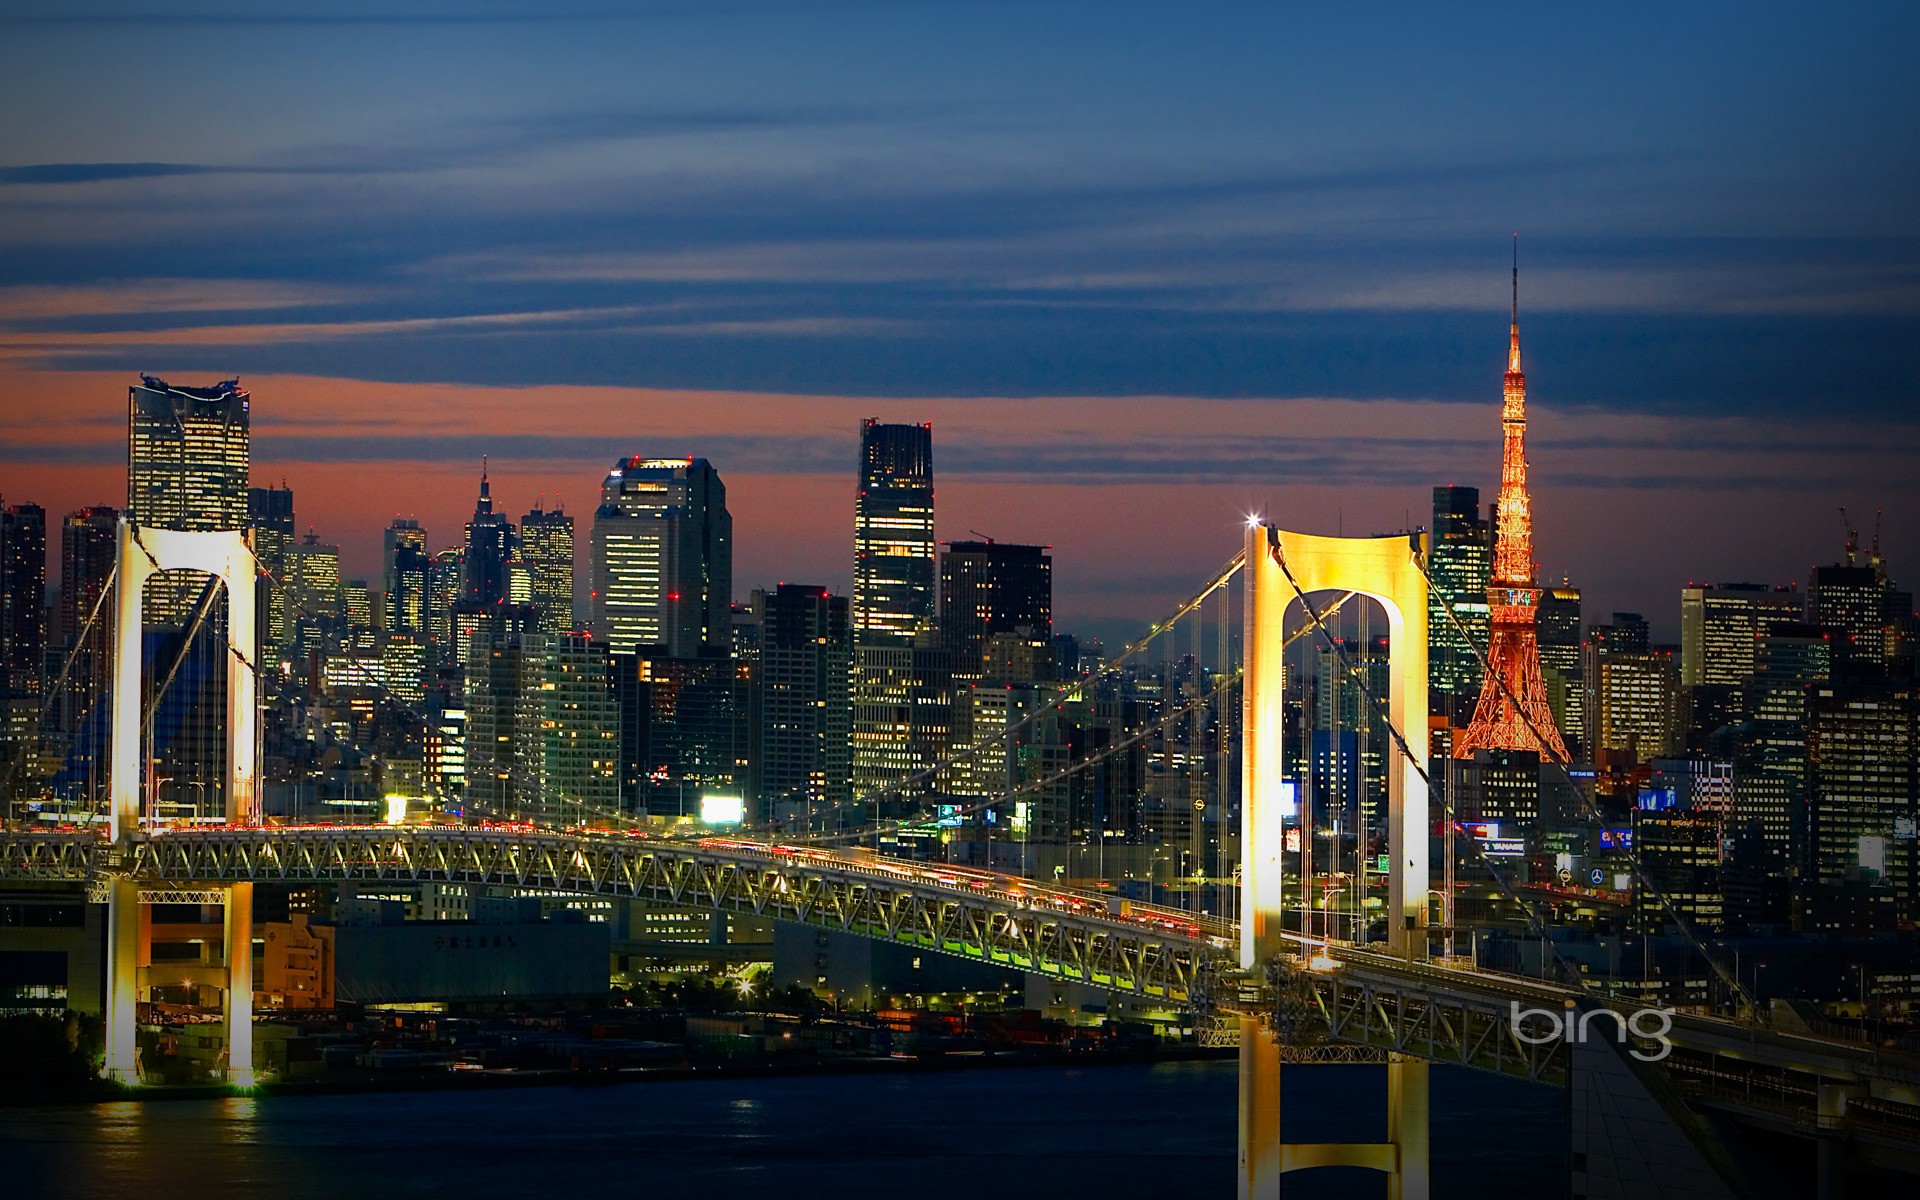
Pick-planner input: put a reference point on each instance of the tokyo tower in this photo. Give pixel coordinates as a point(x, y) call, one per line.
point(1512, 713)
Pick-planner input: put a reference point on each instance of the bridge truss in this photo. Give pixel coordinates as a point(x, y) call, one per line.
point(992, 920)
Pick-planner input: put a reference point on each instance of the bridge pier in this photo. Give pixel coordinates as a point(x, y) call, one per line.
point(126, 936)
point(1260, 1150)
point(1265, 1157)
point(239, 997)
point(129, 951)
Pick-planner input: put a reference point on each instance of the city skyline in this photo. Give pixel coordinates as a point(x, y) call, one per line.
point(1270, 252)
point(1606, 539)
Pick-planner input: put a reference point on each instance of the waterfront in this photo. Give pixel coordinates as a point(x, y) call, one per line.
point(1124, 1130)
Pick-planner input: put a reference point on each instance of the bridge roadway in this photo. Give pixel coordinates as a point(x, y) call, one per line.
point(1439, 1011)
point(988, 918)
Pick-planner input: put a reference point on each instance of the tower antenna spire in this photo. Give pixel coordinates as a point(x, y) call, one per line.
point(1516, 277)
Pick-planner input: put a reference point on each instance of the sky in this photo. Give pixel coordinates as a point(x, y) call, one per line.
point(1145, 267)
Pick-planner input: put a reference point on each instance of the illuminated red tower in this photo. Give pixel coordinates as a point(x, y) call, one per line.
point(1514, 716)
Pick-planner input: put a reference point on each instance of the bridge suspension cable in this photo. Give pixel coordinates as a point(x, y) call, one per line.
point(59, 685)
point(1197, 704)
point(1640, 876)
point(1400, 742)
point(1064, 694)
point(1452, 817)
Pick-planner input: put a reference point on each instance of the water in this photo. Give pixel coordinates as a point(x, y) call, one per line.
point(1165, 1130)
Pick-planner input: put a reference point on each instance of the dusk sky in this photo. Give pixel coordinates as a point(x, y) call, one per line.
point(1146, 267)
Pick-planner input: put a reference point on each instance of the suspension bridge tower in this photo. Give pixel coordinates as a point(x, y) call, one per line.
point(1512, 712)
point(1282, 569)
point(144, 553)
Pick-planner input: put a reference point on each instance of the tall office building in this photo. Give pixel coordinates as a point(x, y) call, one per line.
point(187, 455)
point(89, 541)
point(1350, 740)
point(402, 606)
point(893, 546)
point(546, 550)
point(1512, 712)
point(315, 595)
point(1872, 620)
point(1561, 665)
point(406, 610)
point(683, 732)
point(23, 640)
point(356, 610)
point(901, 692)
point(500, 655)
point(662, 556)
point(1679, 848)
point(489, 551)
point(1633, 695)
point(187, 459)
point(1863, 802)
point(996, 625)
point(270, 516)
point(408, 602)
point(576, 772)
point(1721, 628)
point(1460, 564)
point(989, 588)
point(1770, 786)
point(802, 709)
point(446, 577)
point(23, 597)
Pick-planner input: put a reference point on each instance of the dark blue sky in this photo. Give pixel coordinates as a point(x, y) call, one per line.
point(1717, 207)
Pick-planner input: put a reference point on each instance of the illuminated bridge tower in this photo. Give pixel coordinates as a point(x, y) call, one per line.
point(1512, 713)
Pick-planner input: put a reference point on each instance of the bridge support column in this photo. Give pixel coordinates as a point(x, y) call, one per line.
point(1407, 1129)
point(125, 928)
point(1259, 1112)
point(1265, 1156)
point(239, 1005)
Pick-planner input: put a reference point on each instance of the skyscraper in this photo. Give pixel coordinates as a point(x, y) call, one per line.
point(1513, 713)
point(1863, 802)
point(89, 540)
point(1561, 662)
point(1461, 566)
point(446, 575)
point(270, 516)
point(683, 730)
point(23, 597)
point(1633, 695)
point(546, 547)
point(402, 602)
point(489, 550)
point(1871, 619)
point(893, 546)
point(1770, 787)
point(802, 710)
point(315, 599)
point(1721, 628)
point(901, 694)
point(662, 557)
point(23, 638)
point(187, 455)
point(988, 588)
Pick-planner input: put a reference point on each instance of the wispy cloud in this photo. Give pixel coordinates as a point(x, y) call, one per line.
point(99, 172)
